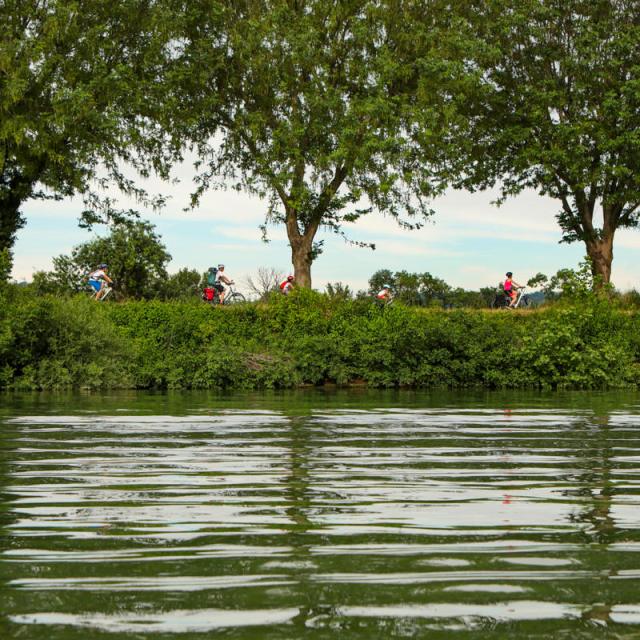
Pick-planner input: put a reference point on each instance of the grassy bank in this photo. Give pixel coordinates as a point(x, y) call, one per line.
point(49, 343)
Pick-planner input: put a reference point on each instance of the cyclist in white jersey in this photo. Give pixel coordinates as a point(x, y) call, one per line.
point(221, 281)
point(98, 279)
point(384, 295)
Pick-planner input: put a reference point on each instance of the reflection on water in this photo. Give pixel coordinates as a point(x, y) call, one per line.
point(369, 523)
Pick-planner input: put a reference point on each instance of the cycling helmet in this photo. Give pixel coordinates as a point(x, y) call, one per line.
point(102, 266)
point(386, 286)
point(290, 278)
point(220, 266)
point(509, 274)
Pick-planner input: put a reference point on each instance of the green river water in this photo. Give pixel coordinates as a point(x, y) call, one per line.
point(354, 514)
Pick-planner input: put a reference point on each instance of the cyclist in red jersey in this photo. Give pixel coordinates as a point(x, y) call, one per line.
point(287, 285)
point(511, 288)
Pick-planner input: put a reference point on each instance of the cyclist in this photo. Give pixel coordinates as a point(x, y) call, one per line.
point(511, 289)
point(287, 285)
point(221, 281)
point(98, 279)
point(384, 295)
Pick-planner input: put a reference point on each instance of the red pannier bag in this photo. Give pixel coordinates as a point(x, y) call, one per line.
point(208, 294)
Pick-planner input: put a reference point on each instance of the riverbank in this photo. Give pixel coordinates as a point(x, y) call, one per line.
point(309, 339)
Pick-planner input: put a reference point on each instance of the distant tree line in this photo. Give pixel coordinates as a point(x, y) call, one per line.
point(138, 260)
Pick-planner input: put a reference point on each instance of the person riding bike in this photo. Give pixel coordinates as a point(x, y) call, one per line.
point(221, 281)
point(384, 295)
point(286, 286)
point(98, 280)
point(511, 288)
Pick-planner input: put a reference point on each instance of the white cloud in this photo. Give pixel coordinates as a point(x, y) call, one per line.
point(629, 239)
point(398, 249)
point(24, 265)
point(623, 278)
point(477, 274)
point(250, 233)
point(528, 211)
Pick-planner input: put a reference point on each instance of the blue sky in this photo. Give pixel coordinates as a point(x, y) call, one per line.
point(469, 242)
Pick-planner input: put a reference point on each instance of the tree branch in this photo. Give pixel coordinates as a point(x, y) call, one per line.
point(326, 195)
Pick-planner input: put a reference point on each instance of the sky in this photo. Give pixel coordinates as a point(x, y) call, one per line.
point(469, 242)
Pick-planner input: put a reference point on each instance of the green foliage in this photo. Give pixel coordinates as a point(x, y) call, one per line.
point(50, 343)
point(66, 278)
point(379, 279)
point(576, 285)
point(571, 283)
point(582, 346)
point(339, 291)
point(630, 299)
point(426, 290)
point(309, 338)
point(421, 289)
point(136, 257)
point(6, 264)
point(553, 104)
point(185, 284)
point(79, 99)
point(312, 105)
point(137, 261)
point(540, 279)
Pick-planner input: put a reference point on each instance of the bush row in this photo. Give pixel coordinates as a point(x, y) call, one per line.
point(52, 343)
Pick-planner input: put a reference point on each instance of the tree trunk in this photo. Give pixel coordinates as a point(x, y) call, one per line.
point(301, 258)
point(301, 243)
point(14, 191)
point(601, 253)
point(10, 221)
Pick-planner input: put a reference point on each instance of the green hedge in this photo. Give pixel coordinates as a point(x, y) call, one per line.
point(51, 343)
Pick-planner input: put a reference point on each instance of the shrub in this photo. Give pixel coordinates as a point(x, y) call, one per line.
point(310, 338)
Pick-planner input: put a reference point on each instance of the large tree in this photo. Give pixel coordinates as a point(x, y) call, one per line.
point(557, 108)
point(311, 104)
point(79, 99)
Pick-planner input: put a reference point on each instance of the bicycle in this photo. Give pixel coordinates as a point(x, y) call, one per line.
point(503, 301)
point(212, 296)
point(233, 296)
point(106, 291)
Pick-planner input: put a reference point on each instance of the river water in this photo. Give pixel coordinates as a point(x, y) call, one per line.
point(320, 515)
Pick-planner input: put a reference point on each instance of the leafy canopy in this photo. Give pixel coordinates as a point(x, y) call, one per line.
point(79, 99)
point(312, 105)
point(553, 103)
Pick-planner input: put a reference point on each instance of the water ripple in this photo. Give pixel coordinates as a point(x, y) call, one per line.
point(361, 522)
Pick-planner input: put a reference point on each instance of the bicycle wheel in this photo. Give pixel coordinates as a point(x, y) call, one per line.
point(235, 298)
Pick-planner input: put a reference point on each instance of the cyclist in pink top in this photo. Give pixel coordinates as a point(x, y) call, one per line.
point(511, 287)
